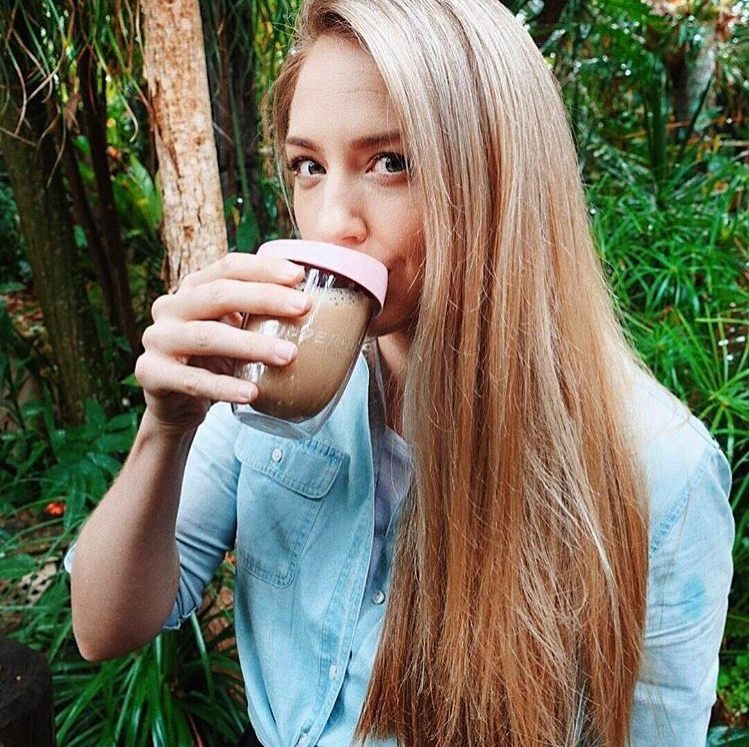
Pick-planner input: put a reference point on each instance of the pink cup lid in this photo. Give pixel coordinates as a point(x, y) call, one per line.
point(368, 272)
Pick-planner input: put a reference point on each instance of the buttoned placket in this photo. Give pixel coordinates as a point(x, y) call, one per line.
point(377, 419)
point(339, 624)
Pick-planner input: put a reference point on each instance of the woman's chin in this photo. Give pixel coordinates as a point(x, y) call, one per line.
point(384, 326)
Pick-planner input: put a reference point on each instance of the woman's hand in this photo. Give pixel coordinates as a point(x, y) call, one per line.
point(195, 337)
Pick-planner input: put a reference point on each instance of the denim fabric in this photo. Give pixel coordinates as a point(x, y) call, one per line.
point(308, 621)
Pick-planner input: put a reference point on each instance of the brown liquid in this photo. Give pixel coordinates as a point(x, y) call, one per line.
point(328, 337)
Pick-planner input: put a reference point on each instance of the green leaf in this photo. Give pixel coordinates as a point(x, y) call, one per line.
point(248, 231)
point(148, 197)
point(16, 566)
point(722, 736)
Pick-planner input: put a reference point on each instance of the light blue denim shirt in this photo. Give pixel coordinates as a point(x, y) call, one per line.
point(308, 614)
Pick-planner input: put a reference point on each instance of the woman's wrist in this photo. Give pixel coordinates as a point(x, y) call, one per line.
point(181, 425)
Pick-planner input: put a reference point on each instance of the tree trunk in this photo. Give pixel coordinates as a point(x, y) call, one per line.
point(231, 30)
point(32, 162)
point(548, 19)
point(221, 78)
point(248, 135)
point(193, 229)
point(691, 79)
point(110, 262)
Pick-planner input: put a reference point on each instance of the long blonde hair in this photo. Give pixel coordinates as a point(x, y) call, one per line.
point(518, 595)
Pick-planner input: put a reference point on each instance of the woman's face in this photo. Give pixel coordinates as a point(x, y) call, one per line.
point(350, 171)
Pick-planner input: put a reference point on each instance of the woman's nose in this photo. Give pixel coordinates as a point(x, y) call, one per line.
point(341, 219)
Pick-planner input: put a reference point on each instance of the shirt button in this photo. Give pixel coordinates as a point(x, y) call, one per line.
point(378, 597)
point(276, 455)
point(333, 671)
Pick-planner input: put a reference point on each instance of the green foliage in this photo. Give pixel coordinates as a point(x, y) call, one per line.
point(38, 459)
point(677, 268)
point(684, 251)
point(246, 230)
point(86, 459)
point(181, 685)
point(186, 684)
point(726, 737)
point(20, 360)
point(13, 264)
point(733, 684)
point(74, 464)
point(136, 196)
point(622, 65)
point(137, 199)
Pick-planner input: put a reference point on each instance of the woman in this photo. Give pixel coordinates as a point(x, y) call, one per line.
point(507, 534)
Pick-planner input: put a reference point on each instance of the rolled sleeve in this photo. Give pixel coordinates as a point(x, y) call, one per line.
point(206, 522)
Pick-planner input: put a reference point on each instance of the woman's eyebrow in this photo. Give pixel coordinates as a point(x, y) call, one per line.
point(376, 140)
point(360, 143)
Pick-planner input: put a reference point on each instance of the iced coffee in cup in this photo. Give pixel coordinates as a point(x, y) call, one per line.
point(347, 289)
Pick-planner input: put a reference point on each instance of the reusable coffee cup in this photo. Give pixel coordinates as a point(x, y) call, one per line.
point(347, 289)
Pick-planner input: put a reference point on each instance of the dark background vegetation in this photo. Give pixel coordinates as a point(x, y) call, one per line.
point(657, 94)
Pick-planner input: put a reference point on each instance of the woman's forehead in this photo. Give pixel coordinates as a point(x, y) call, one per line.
point(340, 90)
point(339, 64)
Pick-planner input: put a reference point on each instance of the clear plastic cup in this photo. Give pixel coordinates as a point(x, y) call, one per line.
point(347, 289)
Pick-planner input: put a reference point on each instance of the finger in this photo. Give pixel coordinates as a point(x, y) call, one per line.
point(161, 376)
point(207, 339)
point(240, 266)
point(233, 320)
point(216, 299)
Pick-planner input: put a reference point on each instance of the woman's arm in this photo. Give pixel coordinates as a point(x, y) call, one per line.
point(126, 566)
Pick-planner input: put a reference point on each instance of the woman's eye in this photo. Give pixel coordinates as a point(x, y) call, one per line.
point(390, 163)
point(305, 167)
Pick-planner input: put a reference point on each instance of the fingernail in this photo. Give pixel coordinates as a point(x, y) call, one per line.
point(285, 350)
point(299, 301)
point(292, 271)
point(247, 392)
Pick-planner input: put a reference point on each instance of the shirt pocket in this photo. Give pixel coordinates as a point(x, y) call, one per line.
point(279, 494)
